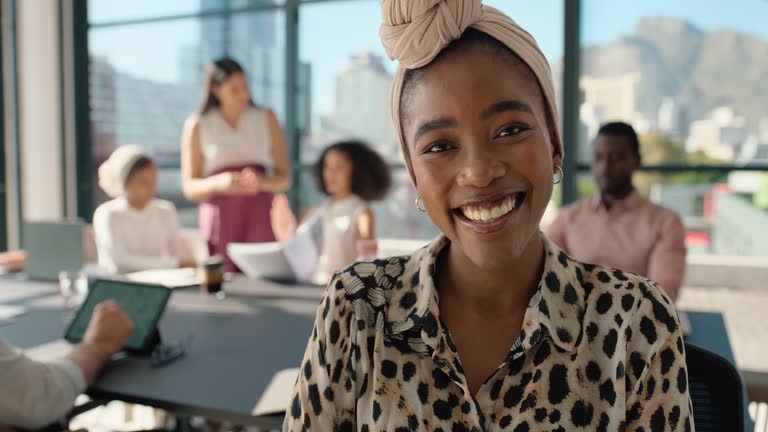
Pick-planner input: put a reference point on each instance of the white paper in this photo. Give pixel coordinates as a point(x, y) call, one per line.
point(295, 259)
point(171, 278)
point(302, 254)
point(261, 260)
point(277, 397)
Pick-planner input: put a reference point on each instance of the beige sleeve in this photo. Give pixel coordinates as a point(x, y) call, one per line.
point(36, 394)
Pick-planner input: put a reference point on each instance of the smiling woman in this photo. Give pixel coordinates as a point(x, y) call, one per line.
point(491, 327)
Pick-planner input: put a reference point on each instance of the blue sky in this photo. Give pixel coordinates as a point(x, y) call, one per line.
point(332, 32)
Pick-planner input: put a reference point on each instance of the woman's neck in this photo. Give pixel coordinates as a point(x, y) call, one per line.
point(231, 115)
point(340, 196)
point(137, 205)
point(506, 288)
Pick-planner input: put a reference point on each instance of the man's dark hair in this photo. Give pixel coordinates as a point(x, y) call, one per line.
point(622, 129)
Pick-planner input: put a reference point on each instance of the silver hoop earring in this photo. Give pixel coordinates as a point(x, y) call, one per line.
point(558, 176)
point(418, 205)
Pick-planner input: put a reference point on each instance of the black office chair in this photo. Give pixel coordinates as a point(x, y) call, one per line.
point(716, 391)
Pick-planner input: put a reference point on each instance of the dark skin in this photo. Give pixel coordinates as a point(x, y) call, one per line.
point(476, 129)
point(614, 161)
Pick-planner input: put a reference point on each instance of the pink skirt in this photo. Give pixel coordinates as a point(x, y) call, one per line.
point(226, 219)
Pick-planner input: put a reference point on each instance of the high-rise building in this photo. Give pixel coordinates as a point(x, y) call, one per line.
point(361, 105)
point(592, 118)
point(253, 40)
point(103, 102)
point(672, 118)
point(615, 95)
point(763, 130)
point(720, 135)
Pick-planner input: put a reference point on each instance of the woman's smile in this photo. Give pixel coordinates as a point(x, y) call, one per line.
point(491, 214)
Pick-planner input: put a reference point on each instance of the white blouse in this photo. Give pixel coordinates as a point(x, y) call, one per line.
point(130, 240)
point(339, 244)
point(224, 146)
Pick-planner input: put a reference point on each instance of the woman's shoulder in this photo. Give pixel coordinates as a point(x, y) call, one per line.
point(193, 120)
point(383, 274)
point(382, 287)
point(108, 208)
point(627, 299)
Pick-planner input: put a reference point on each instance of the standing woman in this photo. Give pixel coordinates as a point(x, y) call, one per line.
point(233, 158)
point(491, 327)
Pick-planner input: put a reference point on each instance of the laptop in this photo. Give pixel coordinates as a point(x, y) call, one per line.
point(52, 247)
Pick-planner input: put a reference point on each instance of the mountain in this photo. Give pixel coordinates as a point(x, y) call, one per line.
point(699, 70)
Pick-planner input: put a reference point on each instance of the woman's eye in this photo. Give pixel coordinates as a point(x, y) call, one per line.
point(511, 130)
point(437, 148)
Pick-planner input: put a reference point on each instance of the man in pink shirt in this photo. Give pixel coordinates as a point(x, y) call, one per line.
point(619, 227)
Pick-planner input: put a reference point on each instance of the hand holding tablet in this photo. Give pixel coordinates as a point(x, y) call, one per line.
point(142, 303)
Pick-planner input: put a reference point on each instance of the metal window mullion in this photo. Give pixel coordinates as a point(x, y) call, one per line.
point(66, 82)
point(11, 129)
point(83, 157)
point(571, 98)
point(291, 102)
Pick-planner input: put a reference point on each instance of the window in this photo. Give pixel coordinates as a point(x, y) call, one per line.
point(109, 11)
point(689, 76)
point(349, 80)
point(146, 78)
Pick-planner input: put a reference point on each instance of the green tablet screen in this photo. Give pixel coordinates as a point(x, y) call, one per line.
point(143, 303)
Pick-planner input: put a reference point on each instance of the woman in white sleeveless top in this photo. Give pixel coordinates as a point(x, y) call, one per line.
point(233, 158)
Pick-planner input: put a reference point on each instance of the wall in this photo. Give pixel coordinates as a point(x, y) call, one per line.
point(39, 109)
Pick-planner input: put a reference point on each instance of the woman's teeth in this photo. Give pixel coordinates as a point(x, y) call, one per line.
point(484, 214)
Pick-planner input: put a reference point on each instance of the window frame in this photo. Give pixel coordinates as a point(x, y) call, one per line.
point(291, 11)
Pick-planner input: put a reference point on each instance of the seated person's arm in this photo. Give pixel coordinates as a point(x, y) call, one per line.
point(367, 248)
point(112, 251)
point(281, 180)
point(283, 220)
point(366, 225)
point(35, 394)
point(179, 245)
point(13, 260)
point(666, 265)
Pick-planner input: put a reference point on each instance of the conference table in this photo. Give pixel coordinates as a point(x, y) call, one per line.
point(235, 346)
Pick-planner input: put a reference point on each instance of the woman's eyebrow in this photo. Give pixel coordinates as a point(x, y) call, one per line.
point(439, 123)
point(507, 105)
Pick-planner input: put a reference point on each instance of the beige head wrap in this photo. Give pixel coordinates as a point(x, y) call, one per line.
point(415, 31)
point(113, 173)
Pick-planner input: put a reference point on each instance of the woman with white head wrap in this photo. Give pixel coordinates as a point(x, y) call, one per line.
point(491, 327)
point(135, 230)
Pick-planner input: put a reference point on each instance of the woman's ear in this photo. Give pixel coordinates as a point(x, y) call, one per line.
point(557, 157)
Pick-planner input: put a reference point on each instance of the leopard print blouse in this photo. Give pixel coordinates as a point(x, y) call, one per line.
point(600, 350)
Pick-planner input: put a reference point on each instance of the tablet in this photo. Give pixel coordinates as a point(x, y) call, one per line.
point(144, 303)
